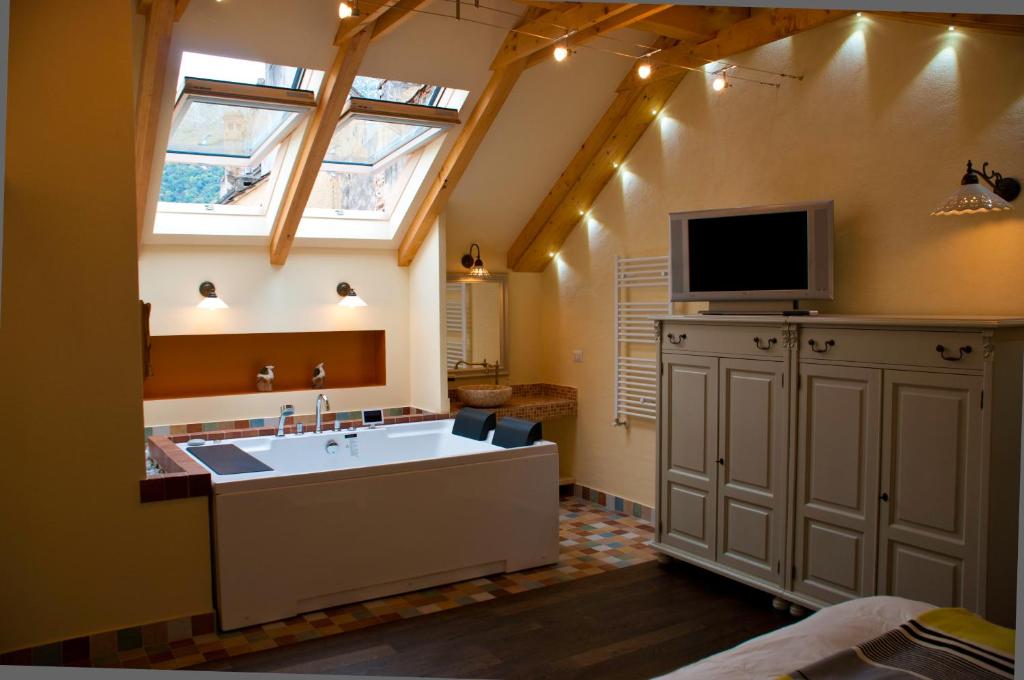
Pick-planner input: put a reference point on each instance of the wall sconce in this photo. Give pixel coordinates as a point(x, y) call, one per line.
point(973, 197)
point(474, 264)
point(210, 299)
point(348, 296)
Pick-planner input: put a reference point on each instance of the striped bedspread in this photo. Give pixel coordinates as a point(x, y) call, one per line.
point(941, 644)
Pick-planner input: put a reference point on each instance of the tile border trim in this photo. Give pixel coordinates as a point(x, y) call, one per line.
point(613, 502)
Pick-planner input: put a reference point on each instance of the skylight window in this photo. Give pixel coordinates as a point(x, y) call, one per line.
point(229, 120)
point(377, 145)
point(231, 142)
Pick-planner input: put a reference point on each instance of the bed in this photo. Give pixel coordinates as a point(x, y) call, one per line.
point(822, 634)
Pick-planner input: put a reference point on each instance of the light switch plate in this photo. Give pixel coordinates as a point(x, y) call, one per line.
point(577, 356)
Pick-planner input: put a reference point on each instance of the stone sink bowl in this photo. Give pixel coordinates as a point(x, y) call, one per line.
point(484, 396)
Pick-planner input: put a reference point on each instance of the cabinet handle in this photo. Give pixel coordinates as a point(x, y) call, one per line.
point(884, 497)
point(676, 339)
point(965, 350)
point(829, 344)
point(766, 347)
point(720, 461)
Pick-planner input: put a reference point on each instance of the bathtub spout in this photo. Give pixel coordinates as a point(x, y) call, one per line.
point(286, 410)
point(320, 399)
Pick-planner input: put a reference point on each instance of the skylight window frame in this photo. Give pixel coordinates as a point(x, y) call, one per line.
point(436, 118)
point(225, 93)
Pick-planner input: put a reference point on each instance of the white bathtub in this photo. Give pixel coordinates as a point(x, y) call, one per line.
point(395, 509)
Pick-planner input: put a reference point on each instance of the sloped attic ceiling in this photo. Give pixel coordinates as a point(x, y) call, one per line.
point(548, 115)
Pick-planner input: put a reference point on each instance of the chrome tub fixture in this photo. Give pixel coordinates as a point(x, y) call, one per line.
point(286, 410)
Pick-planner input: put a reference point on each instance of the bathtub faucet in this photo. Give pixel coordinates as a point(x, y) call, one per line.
point(286, 410)
point(320, 399)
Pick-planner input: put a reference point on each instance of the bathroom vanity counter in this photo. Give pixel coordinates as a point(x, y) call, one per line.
point(536, 401)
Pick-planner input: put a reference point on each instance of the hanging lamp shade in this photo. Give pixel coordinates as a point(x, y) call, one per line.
point(973, 197)
point(970, 199)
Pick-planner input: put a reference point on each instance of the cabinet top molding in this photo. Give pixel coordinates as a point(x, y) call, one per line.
point(919, 321)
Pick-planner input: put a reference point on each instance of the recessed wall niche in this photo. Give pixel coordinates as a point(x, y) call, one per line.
point(215, 365)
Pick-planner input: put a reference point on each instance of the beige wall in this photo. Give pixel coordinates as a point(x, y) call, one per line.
point(427, 367)
point(883, 122)
point(299, 296)
point(80, 554)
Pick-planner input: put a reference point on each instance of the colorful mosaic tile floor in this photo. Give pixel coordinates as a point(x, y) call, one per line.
point(593, 539)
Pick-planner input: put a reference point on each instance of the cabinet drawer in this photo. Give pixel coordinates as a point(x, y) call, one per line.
point(754, 341)
point(908, 348)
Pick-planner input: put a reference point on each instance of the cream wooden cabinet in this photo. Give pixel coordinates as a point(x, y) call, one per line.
point(836, 494)
point(827, 458)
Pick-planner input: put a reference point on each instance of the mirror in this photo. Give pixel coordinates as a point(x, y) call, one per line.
point(476, 325)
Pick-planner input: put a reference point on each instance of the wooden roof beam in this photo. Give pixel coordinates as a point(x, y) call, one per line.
point(608, 143)
point(317, 137)
point(550, 27)
point(694, 23)
point(763, 27)
point(631, 16)
point(383, 14)
point(160, 18)
point(628, 117)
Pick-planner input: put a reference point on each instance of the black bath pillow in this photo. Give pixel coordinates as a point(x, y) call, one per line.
point(513, 432)
point(473, 423)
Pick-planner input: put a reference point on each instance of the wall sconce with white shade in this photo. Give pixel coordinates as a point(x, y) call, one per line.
point(210, 299)
point(348, 296)
point(973, 197)
point(474, 264)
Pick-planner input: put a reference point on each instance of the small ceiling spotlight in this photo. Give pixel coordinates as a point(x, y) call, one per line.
point(210, 299)
point(860, 14)
point(349, 298)
point(972, 197)
point(348, 8)
point(552, 253)
point(719, 83)
point(560, 52)
point(951, 28)
point(474, 264)
point(644, 70)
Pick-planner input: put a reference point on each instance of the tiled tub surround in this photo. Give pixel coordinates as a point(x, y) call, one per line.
point(536, 401)
point(593, 540)
point(179, 476)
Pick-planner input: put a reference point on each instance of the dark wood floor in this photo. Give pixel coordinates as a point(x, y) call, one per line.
point(637, 622)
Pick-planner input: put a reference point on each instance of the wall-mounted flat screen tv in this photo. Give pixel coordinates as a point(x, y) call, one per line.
point(779, 252)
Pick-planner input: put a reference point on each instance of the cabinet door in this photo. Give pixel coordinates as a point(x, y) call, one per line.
point(838, 448)
point(931, 448)
point(689, 445)
point(752, 459)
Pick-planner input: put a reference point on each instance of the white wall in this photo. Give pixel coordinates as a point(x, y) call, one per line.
point(427, 370)
point(298, 297)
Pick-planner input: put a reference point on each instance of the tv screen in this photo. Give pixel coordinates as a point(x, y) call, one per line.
point(749, 252)
point(777, 252)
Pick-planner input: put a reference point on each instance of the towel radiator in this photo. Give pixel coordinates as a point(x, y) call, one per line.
point(456, 319)
point(641, 292)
